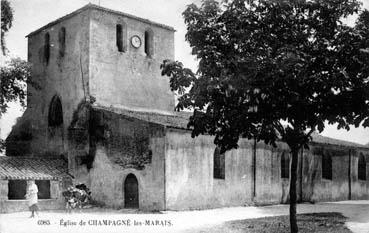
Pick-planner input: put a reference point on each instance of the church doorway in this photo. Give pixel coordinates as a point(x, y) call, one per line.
point(131, 192)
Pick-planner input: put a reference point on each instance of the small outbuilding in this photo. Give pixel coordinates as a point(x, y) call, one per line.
point(50, 175)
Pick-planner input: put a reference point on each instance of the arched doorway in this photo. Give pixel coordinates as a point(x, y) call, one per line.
point(131, 192)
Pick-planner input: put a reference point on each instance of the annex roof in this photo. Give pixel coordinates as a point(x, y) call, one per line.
point(96, 7)
point(33, 168)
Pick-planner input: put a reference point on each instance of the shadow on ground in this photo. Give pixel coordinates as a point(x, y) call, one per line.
point(307, 223)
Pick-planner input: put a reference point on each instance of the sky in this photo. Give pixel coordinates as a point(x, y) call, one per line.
point(30, 15)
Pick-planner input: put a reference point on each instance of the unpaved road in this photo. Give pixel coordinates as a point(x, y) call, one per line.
point(95, 220)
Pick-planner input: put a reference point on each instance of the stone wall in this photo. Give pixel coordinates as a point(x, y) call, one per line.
point(65, 76)
point(344, 184)
point(190, 183)
point(122, 146)
point(189, 173)
point(130, 79)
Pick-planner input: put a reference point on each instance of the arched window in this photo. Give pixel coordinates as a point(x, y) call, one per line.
point(61, 39)
point(327, 167)
point(149, 43)
point(361, 170)
point(285, 165)
point(121, 37)
point(55, 117)
point(47, 48)
point(219, 164)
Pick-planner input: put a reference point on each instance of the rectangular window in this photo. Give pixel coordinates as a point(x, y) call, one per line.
point(17, 189)
point(43, 189)
point(61, 39)
point(47, 48)
point(361, 168)
point(285, 165)
point(149, 43)
point(219, 164)
point(327, 167)
point(120, 38)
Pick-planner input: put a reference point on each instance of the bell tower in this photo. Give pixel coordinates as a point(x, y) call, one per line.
point(125, 56)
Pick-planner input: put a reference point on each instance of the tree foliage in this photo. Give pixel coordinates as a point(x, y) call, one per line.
point(6, 22)
point(263, 62)
point(274, 70)
point(14, 77)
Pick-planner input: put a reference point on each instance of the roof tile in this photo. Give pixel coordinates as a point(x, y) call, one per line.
point(33, 168)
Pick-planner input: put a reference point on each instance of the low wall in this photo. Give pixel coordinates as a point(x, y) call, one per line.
point(9, 206)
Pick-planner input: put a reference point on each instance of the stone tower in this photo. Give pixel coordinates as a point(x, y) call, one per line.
point(96, 55)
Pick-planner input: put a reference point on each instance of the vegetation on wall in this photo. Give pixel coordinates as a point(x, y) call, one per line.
point(274, 70)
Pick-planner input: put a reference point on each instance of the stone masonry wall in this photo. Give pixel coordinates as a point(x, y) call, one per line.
point(190, 183)
point(131, 78)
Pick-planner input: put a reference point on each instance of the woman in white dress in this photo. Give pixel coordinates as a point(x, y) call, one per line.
point(32, 198)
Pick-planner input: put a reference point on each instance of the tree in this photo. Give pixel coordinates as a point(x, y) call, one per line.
point(13, 80)
point(273, 71)
point(6, 22)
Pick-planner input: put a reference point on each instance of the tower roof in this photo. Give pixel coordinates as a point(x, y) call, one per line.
point(100, 8)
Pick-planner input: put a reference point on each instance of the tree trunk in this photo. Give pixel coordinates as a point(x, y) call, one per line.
point(293, 195)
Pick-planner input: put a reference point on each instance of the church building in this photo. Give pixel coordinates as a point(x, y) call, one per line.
point(103, 107)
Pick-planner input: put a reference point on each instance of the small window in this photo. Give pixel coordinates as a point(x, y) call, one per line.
point(17, 189)
point(55, 117)
point(327, 167)
point(149, 43)
point(47, 48)
point(219, 164)
point(43, 189)
point(62, 42)
point(285, 165)
point(119, 37)
point(361, 168)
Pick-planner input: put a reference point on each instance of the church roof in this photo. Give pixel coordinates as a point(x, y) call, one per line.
point(327, 140)
point(174, 120)
point(96, 7)
point(180, 120)
point(27, 168)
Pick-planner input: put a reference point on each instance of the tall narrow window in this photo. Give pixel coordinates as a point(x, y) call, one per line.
point(55, 118)
point(61, 42)
point(119, 37)
point(47, 48)
point(219, 164)
point(361, 170)
point(285, 165)
point(149, 43)
point(327, 167)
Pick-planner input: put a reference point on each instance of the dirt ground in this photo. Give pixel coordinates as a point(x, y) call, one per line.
point(234, 219)
point(307, 223)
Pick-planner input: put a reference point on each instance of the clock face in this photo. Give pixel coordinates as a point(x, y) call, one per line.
point(136, 41)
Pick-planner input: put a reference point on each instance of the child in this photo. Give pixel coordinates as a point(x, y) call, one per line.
point(32, 198)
